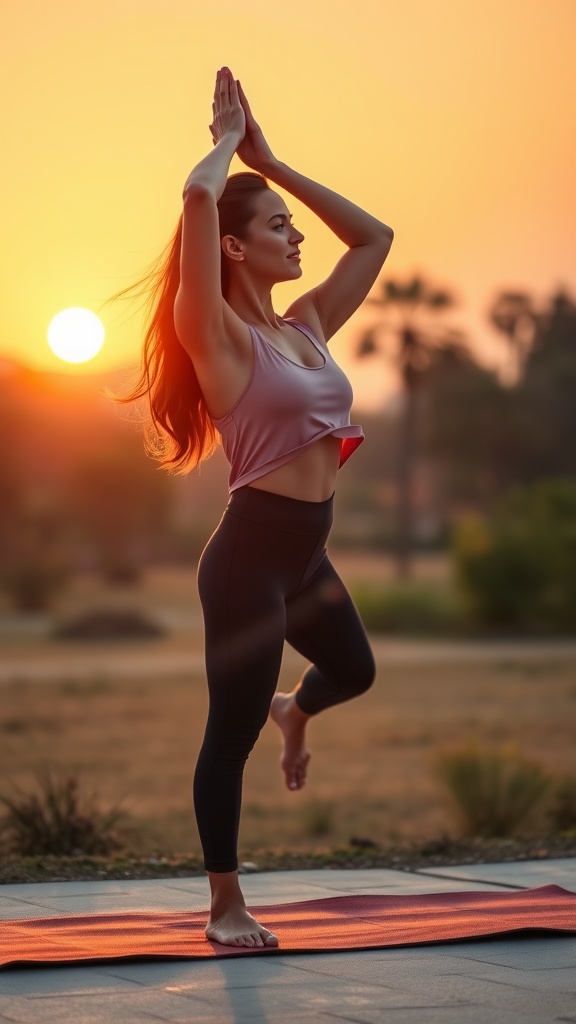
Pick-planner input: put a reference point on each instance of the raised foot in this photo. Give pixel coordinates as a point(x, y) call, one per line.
point(237, 927)
point(292, 723)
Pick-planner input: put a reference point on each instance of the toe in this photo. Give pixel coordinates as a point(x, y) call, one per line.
point(271, 940)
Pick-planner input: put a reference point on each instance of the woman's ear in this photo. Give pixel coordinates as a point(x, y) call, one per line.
point(231, 248)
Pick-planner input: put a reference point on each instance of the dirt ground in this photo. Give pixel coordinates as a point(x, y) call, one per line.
point(372, 775)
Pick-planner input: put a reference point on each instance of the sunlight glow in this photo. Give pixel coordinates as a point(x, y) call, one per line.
point(76, 335)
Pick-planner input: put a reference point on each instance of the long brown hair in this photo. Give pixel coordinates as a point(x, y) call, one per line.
point(178, 431)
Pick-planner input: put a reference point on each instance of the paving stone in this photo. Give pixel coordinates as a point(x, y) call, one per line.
point(369, 967)
point(15, 910)
point(102, 1007)
point(461, 1014)
point(486, 991)
point(59, 981)
point(525, 874)
point(533, 954)
point(310, 997)
point(195, 975)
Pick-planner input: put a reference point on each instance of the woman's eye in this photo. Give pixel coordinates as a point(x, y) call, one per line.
point(279, 225)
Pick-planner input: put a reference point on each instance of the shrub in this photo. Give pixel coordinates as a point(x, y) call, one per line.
point(562, 811)
point(319, 818)
point(409, 608)
point(517, 568)
point(57, 820)
point(493, 791)
point(503, 582)
point(32, 585)
point(109, 624)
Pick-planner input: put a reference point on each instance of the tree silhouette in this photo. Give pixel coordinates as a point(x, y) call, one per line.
point(546, 394)
point(514, 315)
point(471, 426)
point(408, 338)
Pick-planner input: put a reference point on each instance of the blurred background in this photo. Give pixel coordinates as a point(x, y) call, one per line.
point(456, 520)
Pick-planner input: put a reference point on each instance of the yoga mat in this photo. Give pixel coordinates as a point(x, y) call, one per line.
point(335, 924)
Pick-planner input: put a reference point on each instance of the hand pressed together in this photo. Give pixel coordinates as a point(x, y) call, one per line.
point(254, 151)
point(231, 110)
point(227, 112)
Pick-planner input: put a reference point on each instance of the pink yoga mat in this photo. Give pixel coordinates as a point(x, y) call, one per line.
point(328, 925)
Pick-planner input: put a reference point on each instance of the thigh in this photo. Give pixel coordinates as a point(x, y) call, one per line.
point(324, 626)
point(245, 623)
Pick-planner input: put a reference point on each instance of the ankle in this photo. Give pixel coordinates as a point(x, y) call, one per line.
point(294, 708)
point(225, 891)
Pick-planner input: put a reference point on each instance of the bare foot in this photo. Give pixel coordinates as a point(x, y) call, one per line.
point(236, 927)
point(292, 723)
point(229, 922)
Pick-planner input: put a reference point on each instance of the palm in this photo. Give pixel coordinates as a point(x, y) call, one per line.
point(254, 151)
point(227, 112)
point(250, 152)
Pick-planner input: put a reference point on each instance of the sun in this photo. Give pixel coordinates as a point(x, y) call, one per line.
point(76, 335)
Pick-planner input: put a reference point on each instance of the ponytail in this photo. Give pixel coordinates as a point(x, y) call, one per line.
point(178, 432)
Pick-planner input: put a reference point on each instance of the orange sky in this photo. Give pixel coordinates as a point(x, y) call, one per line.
point(452, 120)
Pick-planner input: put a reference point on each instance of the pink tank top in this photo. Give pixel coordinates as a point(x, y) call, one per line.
point(284, 409)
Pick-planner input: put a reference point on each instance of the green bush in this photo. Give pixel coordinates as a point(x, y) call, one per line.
point(57, 820)
point(409, 608)
point(493, 791)
point(517, 568)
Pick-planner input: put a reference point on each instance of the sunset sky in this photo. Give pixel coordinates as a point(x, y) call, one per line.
point(454, 121)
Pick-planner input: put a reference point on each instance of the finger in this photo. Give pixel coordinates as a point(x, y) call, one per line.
point(246, 105)
point(234, 95)
point(242, 95)
point(226, 80)
point(242, 91)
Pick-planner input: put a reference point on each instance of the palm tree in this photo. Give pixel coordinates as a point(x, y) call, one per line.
point(513, 314)
point(415, 341)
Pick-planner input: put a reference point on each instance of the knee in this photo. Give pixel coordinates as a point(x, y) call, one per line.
point(363, 674)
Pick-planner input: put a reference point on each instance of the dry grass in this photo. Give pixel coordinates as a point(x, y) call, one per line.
point(371, 774)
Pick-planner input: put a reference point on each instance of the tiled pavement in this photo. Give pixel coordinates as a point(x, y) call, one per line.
point(520, 980)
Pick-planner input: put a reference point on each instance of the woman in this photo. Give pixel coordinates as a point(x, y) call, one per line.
point(269, 387)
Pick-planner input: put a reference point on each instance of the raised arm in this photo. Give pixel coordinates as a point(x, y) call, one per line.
point(367, 238)
point(198, 308)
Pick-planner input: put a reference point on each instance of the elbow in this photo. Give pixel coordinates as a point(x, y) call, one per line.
point(195, 191)
point(381, 235)
point(383, 239)
point(387, 239)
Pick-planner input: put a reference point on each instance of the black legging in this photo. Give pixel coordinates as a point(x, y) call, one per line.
point(265, 577)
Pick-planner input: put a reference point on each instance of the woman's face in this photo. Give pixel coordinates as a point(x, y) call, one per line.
point(269, 251)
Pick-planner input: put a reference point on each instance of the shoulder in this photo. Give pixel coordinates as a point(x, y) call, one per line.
point(305, 310)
